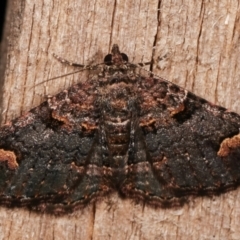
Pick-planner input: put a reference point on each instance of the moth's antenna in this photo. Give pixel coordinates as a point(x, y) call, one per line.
point(84, 67)
point(64, 75)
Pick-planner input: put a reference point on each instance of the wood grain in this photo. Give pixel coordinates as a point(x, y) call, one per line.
point(193, 43)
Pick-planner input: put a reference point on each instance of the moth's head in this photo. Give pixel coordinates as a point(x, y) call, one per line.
point(116, 57)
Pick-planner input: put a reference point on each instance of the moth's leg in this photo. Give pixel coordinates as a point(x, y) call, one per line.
point(143, 64)
point(139, 65)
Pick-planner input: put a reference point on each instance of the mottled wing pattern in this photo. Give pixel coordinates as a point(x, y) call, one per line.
point(190, 145)
point(141, 136)
point(44, 153)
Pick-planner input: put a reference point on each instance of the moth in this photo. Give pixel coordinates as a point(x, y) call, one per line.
point(142, 136)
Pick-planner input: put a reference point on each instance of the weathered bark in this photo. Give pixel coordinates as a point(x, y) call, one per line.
point(194, 44)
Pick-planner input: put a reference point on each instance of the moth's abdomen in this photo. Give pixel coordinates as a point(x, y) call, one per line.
point(117, 130)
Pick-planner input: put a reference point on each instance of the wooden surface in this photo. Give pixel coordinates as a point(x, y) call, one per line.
point(193, 43)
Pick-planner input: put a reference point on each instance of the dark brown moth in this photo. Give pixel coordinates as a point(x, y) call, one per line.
point(144, 137)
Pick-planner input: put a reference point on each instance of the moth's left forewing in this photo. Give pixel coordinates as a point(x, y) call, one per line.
point(44, 152)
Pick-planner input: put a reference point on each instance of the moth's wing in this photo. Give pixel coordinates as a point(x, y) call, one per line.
point(141, 181)
point(44, 153)
point(90, 186)
point(191, 146)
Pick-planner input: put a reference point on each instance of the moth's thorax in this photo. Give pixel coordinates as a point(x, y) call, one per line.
point(121, 69)
point(117, 74)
